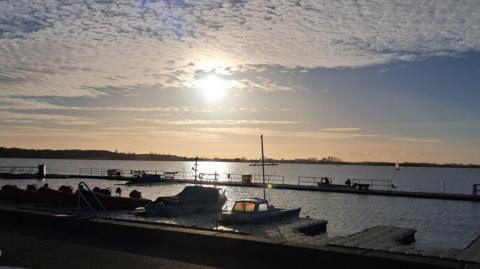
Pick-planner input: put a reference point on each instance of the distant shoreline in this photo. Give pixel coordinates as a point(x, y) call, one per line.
point(119, 156)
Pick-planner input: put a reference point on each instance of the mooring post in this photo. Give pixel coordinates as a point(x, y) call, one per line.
point(475, 189)
point(42, 171)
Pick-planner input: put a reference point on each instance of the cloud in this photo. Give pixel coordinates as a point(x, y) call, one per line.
point(8, 103)
point(63, 48)
point(323, 134)
point(131, 109)
point(340, 129)
point(188, 122)
point(415, 140)
point(24, 104)
point(21, 118)
point(289, 134)
point(266, 85)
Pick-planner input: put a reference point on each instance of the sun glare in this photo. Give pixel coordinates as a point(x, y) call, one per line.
point(213, 87)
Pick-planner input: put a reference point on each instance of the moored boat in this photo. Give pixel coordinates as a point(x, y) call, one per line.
point(114, 202)
point(191, 200)
point(64, 196)
point(118, 202)
point(256, 210)
point(15, 194)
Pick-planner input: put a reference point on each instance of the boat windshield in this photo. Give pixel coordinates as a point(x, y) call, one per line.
point(263, 207)
point(244, 206)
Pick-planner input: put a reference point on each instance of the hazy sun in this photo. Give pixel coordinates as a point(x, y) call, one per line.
point(213, 87)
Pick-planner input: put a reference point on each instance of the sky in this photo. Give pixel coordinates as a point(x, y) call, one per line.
point(359, 80)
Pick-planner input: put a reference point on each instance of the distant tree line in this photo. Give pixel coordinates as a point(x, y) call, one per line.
point(85, 154)
point(115, 155)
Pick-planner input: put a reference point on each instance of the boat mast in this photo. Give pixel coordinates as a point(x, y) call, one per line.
point(263, 167)
point(195, 169)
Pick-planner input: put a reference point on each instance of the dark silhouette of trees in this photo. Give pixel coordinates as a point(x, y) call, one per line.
point(116, 155)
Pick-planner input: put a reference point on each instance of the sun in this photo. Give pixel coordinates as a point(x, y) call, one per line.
point(213, 87)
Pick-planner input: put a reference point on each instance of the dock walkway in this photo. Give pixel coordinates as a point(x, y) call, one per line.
point(318, 188)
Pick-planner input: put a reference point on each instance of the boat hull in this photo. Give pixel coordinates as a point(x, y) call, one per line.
point(258, 217)
point(46, 195)
point(175, 211)
point(57, 197)
point(115, 202)
point(10, 193)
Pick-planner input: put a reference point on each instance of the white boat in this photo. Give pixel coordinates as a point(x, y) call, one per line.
point(397, 166)
point(255, 210)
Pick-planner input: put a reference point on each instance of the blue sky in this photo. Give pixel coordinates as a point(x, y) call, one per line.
point(360, 80)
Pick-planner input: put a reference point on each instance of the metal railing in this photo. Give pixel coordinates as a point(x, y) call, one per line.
point(374, 184)
point(18, 169)
point(93, 171)
point(232, 177)
point(81, 196)
point(276, 179)
point(229, 177)
point(115, 172)
point(213, 177)
point(309, 180)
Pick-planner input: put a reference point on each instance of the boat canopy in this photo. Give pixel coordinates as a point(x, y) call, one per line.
point(198, 194)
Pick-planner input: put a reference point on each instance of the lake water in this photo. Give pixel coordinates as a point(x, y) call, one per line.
point(440, 224)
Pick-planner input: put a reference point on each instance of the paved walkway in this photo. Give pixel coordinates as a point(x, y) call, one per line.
point(40, 251)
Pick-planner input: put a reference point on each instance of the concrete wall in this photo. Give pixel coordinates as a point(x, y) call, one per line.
point(211, 247)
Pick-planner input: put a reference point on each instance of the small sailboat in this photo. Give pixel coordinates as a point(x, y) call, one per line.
point(257, 210)
point(397, 166)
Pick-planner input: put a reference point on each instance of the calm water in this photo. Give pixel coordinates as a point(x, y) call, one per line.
point(440, 224)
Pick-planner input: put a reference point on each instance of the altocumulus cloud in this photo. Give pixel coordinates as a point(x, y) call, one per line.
point(70, 48)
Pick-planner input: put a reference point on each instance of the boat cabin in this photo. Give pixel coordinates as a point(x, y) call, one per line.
point(250, 205)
